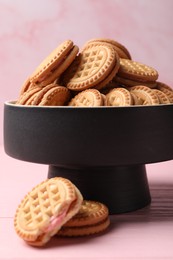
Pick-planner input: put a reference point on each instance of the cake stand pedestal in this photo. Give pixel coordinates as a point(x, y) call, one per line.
point(122, 189)
point(102, 150)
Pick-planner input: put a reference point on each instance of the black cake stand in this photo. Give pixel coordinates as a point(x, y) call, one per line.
point(102, 150)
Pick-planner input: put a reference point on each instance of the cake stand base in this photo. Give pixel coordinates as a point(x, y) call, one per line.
point(122, 189)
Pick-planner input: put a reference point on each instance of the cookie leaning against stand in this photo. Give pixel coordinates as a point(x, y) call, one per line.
point(45, 209)
point(94, 67)
point(52, 66)
point(92, 218)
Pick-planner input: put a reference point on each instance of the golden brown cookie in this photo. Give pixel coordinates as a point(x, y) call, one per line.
point(136, 99)
point(27, 95)
point(47, 207)
point(51, 95)
point(144, 95)
point(163, 98)
point(94, 67)
point(52, 66)
point(167, 90)
point(26, 86)
point(55, 96)
point(119, 97)
point(131, 83)
point(92, 218)
point(119, 48)
point(136, 71)
point(87, 98)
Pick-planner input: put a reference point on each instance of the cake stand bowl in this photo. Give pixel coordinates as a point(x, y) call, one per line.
point(102, 150)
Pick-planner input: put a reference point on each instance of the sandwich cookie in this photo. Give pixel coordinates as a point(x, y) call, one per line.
point(119, 48)
point(92, 218)
point(132, 83)
point(87, 98)
point(28, 95)
point(163, 98)
point(167, 90)
point(45, 209)
point(52, 66)
point(51, 95)
point(94, 67)
point(143, 95)
point(136, 71)
point(119, 97)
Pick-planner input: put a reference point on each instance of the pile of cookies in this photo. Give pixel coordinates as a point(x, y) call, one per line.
point(56, 207)
point(102, 73)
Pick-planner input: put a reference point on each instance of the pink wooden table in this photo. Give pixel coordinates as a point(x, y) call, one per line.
point(143, 234)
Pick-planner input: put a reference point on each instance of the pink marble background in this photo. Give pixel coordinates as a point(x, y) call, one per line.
point(31, 29)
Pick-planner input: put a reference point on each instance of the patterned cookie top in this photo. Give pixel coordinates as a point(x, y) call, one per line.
point(167, 90)
point(91, 67)
point(145, 95)
point(163, 98)
point(87, 98)
point(90, 213)
point(134, 70)
point(40, 205)
point(121, 49)
point(119, 97)
point(55, 96)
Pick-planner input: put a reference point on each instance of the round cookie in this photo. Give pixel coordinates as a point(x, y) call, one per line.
point(87, 98)
point(52, 66)
point(23, 99)
point(51, 95)
point(144, 95)
point(92, 218)
point(163, 98)
point(95, 66)
point(119, 97)
point(119, 48)
point(47, 207)
point(136, 71)
point(55, 96)
point(167, 90)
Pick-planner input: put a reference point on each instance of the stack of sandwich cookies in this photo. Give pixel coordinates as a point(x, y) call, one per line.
point(104, 68)
point(52, 66)
point(92, 218)
point(51, 95)
point(45, 209)
point(56, 206)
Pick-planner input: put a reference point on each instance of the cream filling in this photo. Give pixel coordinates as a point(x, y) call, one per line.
point(56, 221)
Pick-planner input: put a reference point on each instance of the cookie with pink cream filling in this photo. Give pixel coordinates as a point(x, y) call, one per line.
point(45, 209)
